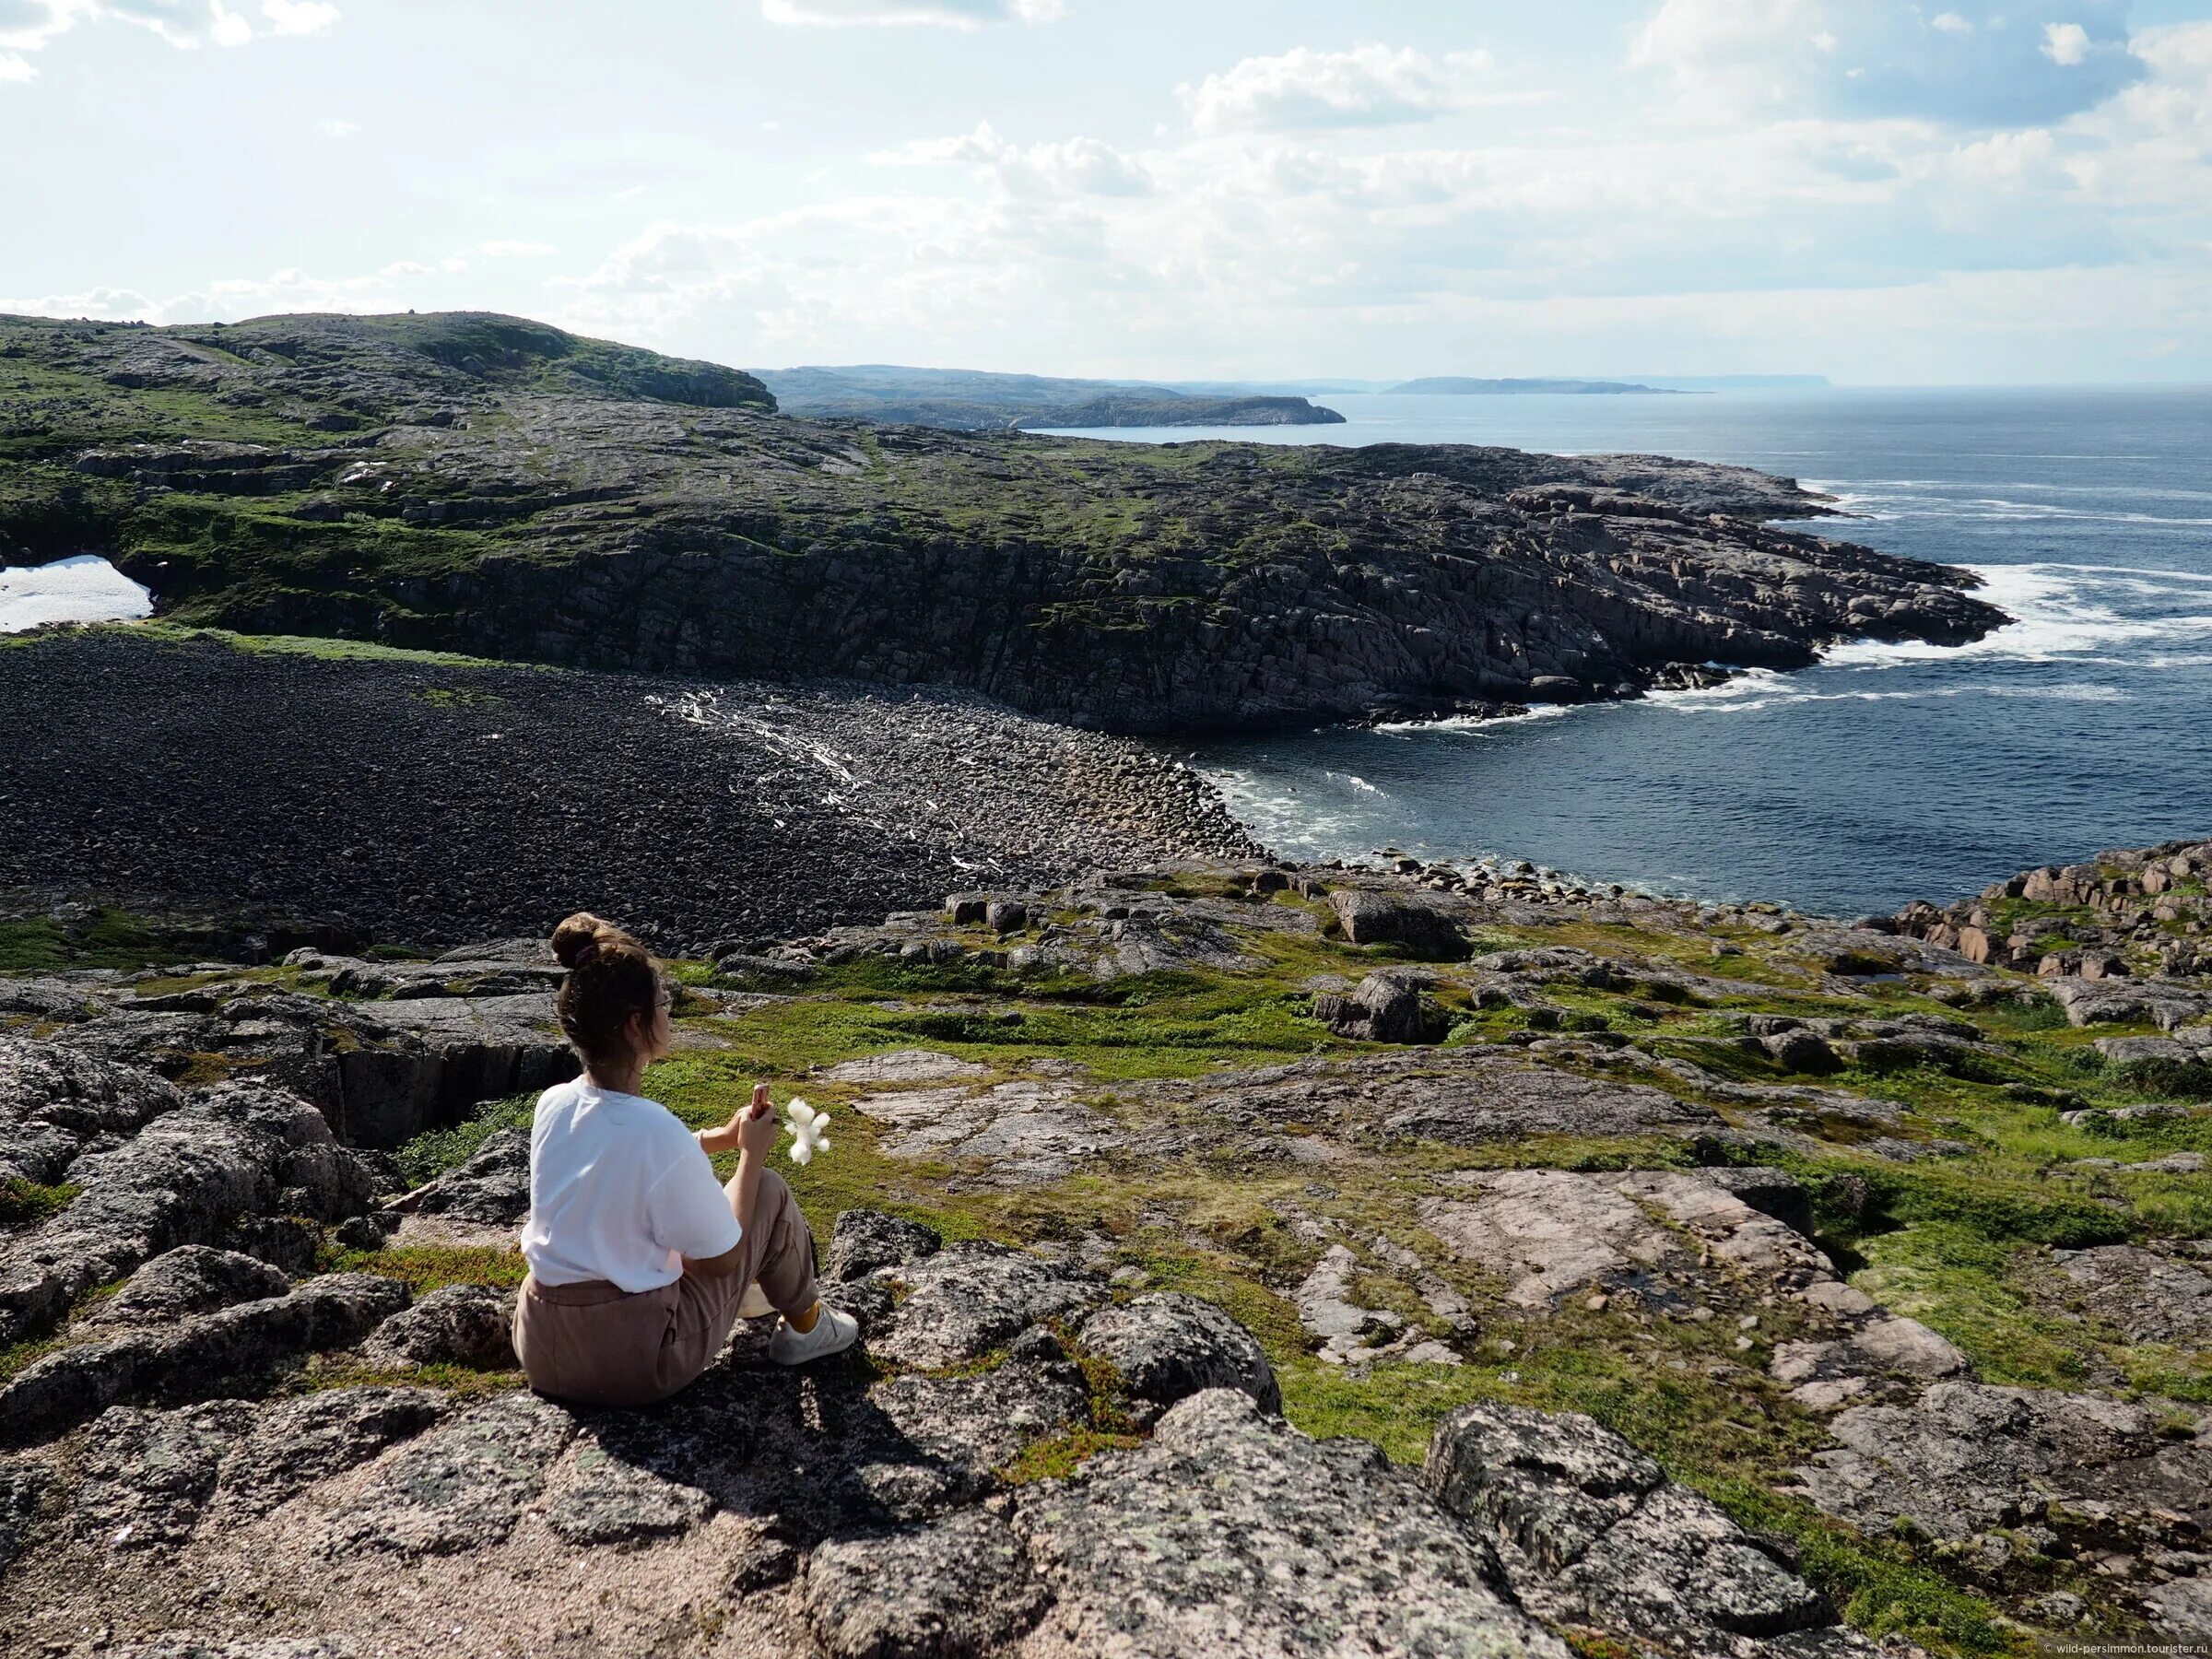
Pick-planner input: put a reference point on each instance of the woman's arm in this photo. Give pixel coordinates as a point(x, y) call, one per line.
point(753, 1133)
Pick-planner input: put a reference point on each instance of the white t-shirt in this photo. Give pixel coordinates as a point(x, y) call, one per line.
point(619, 1191)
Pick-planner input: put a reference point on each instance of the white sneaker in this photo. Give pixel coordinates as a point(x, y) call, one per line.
point(833, 1333)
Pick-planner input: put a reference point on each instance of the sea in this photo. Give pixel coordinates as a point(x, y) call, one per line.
point(1882, 774)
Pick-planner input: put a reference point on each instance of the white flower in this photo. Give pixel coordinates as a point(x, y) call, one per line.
point(809, 1131)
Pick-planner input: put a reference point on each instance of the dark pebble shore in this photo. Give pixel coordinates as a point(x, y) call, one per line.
point(428, 804)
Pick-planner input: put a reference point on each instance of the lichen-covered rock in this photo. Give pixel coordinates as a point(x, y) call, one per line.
point(605, 1500)
point(190, 1278)
point(1461, 1096)
point(1383, 1007)
point(144, 1477)
point(492, 1188)
point(969, 1426)
point(455, 1324)
point(231, 1350)
point(1591, 1532)
point(251, 1647)
point(1415, 924)
point(298, 1443)
point(864, 1239)
point(243, 1148)
point(1965, 1457)
point(1169, 1346)
point(1230, 1534)
point(967, 1299)
point(2150, 1297)
point(460, 1486)
point(23, 1486)
point(962, 1585)
point(52, 1102)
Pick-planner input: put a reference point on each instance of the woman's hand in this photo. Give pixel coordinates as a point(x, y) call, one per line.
point(751, 1130)
point(757, 1126)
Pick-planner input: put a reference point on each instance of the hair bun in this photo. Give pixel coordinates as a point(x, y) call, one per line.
point(577, 940)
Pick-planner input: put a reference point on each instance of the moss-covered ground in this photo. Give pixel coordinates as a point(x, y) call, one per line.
point(1960, 1242)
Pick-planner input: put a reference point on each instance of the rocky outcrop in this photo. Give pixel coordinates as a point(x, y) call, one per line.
point(1167, 1347)
point(593, 522)
point(241, 1346)
point(2124, 914)
point(1591, 1533)
point(241, 1148)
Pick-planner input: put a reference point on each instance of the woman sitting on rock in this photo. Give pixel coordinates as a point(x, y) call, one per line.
point(639, 1258)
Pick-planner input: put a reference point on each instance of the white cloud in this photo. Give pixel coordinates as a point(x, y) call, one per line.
point(515, 250)
point(1076, 167)
point(943, 14)
point(299, 17)
point(2065, 44)
point(1369, 86)
point(29, 26)
point(2018, 66)
point(332, 127)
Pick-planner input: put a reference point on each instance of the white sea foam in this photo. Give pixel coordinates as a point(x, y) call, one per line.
point(83, 589)
point(2059, 617)
point(1476, 723)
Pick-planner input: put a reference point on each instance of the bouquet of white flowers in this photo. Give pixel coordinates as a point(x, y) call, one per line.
point(809, 1131)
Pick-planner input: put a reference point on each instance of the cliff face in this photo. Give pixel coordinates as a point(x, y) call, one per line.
point(490, 486)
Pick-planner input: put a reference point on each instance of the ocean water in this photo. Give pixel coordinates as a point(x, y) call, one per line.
point(1884, 773)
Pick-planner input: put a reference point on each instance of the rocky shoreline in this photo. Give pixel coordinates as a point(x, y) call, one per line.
point(416, 801)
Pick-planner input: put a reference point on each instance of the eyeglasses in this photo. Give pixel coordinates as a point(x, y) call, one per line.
point(670, 993)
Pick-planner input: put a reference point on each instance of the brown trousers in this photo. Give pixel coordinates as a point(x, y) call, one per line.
point(593, 1343)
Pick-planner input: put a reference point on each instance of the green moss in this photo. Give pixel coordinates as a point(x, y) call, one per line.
point(435, 1151)
point(111, 938)
point(24, 1202)
point(1965, 1287)
point(423, 1267)
point(1060, 1455)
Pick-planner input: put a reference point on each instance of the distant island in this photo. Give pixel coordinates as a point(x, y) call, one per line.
point(971, 400)
point(1457, 385)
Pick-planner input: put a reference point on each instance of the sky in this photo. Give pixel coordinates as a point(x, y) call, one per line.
point(1955, 191)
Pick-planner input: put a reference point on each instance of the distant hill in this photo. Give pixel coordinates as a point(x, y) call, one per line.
point(971, 400)
point(1460, 386)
